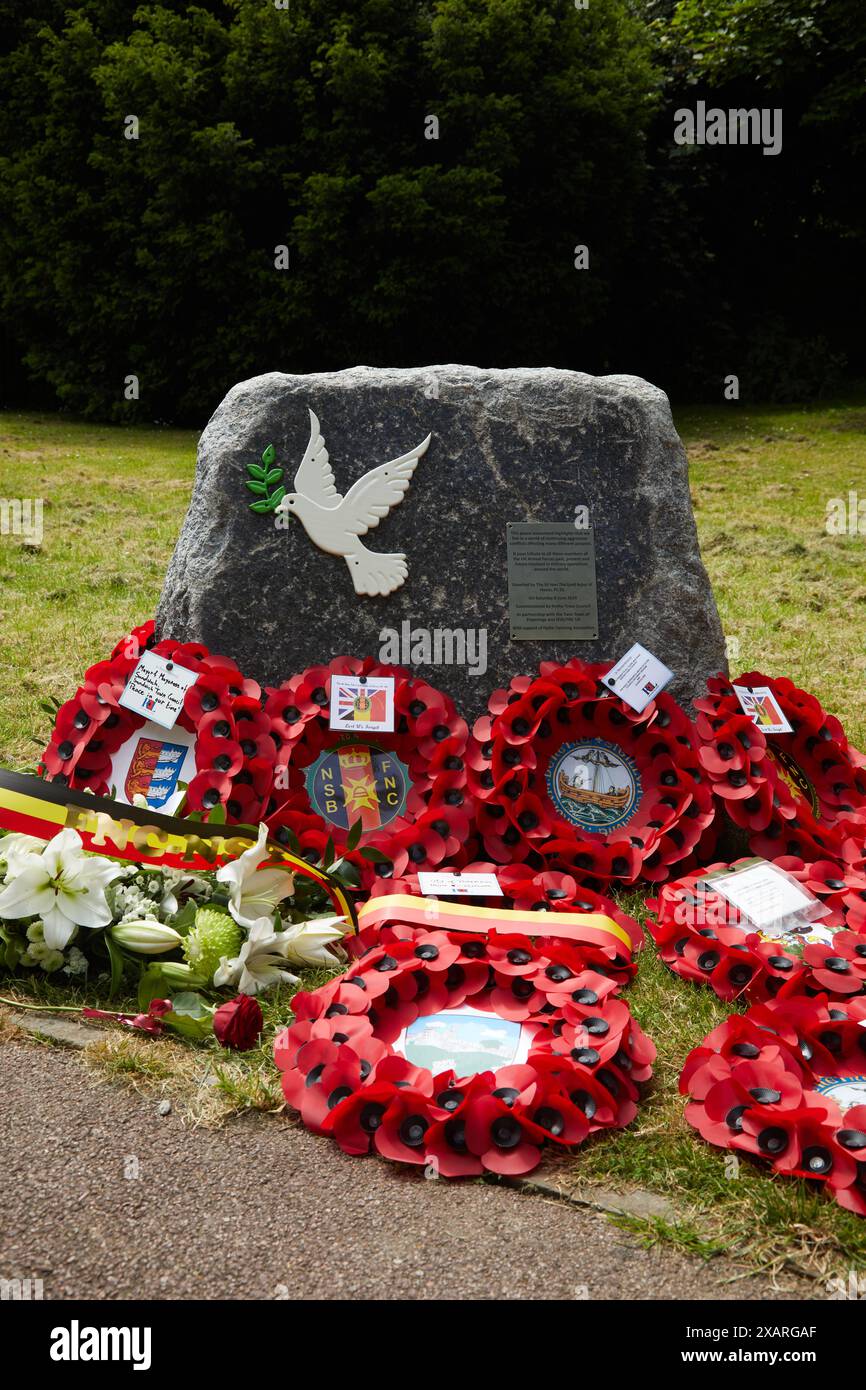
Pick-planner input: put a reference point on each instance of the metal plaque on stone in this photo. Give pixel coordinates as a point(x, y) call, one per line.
point(551, 582)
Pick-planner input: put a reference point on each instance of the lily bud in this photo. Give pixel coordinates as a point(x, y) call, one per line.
point(176, 975)
point(146, 938)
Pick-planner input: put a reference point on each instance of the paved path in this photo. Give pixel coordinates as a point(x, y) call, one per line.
point(261, 1209)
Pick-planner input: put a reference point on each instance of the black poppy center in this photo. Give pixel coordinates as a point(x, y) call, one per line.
point(506, 1132)
point(371, 1117)
point(772, 1141)
point(584, 1101)
point(337, 1095)
point(837, 964)
point(585, 1056)
point(412, 1131)
point(764, 1095)
point(449, 1100)
point(734, 1118)
point(585, 996)
point(558, 973)
point(551, 1120)
point(817, 1159)
point(455, 1135)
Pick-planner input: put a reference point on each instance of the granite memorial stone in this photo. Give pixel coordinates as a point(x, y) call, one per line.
point(427, 521)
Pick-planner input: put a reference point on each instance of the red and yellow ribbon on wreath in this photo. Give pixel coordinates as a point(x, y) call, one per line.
point(35, 807)
point(593, 928)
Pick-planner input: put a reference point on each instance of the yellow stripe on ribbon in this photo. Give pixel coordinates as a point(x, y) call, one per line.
point(32, 808)
point(451, 916)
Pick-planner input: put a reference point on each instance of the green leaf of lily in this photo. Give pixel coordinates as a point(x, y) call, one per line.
point(115, 957)
point(374, 855)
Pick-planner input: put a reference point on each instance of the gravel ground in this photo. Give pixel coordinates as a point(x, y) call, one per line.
point(263, 1210)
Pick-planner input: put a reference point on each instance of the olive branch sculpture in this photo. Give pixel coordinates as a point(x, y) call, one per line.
point(262, 477)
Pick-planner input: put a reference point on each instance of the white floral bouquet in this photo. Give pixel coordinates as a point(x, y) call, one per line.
point(68, 912)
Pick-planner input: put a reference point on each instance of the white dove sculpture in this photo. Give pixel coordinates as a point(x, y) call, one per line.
point(334, 523)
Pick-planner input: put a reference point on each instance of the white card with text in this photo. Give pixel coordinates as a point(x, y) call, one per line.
point(460, 885)
point(765, 894)
point(156, 689)
point(638, 677)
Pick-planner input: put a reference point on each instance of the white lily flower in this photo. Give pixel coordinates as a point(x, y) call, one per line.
point(257, 966)
point(62, 885)
point(16, 848)
point(168, 904)
point(308, 941)
point(146, 938)
point(254, 892)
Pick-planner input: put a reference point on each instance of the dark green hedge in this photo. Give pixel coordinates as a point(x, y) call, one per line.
point(306, 127)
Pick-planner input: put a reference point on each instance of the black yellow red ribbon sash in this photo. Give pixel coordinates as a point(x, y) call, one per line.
point(36, 807)
point(594, 928)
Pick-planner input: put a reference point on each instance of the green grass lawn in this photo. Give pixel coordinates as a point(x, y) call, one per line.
point(114, 500)
point(791, 596)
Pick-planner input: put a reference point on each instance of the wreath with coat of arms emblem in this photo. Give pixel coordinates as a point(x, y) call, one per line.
point(234, 750)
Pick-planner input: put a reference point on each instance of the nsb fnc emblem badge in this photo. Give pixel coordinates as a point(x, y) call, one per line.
point(594, 784)
point(358, 781)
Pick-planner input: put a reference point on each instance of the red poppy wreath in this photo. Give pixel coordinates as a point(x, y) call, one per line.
point(462, 1052)
point(407, 788)
point(786, 1083)
point(234, 751)
point(702, 937)
point(799, 792)
point(567, 777)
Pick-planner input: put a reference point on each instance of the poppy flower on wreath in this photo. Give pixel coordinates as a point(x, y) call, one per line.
point(463, 1053)
point(234, 748)
point(406, 788)
point(797, 793)
point(785, 1084)
point(568, 777)
point(704, 939)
